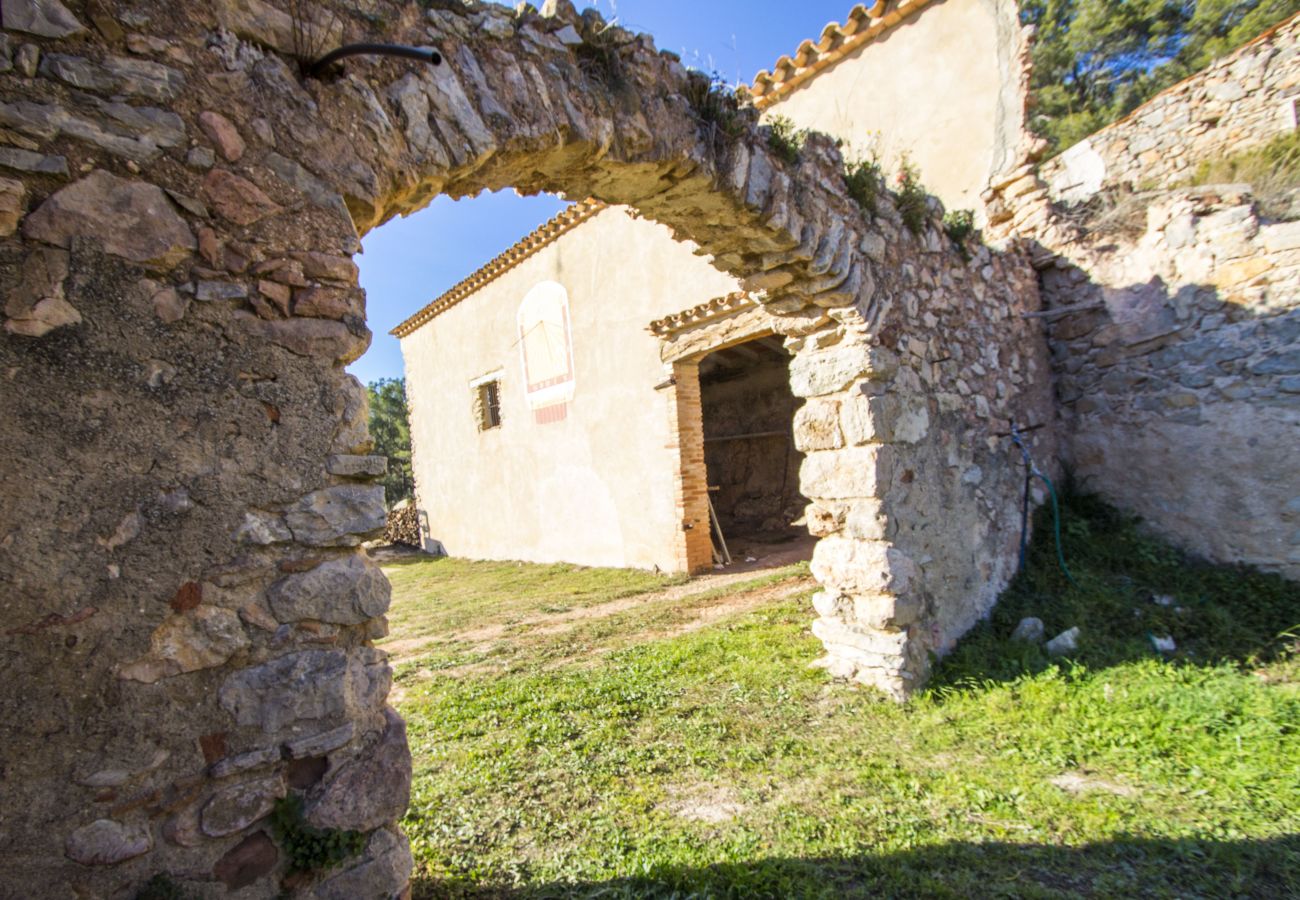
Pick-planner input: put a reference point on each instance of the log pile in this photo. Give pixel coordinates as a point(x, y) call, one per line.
point(403, 525)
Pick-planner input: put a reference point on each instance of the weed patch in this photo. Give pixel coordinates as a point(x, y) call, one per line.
point(310, 849)
point(785, 140)
point(716, 109)
point(911, 197)
point(959, 225)
point(1272, 171)
point(863, 180)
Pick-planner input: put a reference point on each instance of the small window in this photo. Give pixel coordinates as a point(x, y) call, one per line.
point(487, 404)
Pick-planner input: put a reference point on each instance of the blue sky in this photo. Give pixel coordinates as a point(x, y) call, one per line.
point(408, 262)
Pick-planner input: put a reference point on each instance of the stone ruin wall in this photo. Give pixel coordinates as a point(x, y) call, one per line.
point(914, 485)
point(1179, 373)
point(188, 620)
point(1242, 99)
point(1175, 337)
point(914, 488)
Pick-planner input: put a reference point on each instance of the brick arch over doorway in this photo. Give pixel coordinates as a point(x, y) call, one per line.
point(188, 617)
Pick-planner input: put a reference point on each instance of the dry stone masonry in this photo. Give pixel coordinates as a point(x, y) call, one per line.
point(188, 614)
point(1242, 99)
point(1175, 337)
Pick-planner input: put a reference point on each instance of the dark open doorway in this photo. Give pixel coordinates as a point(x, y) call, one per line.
point(749, 452)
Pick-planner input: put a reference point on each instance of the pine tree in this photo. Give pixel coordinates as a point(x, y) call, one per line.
point(390, 428)
point(1096, 60)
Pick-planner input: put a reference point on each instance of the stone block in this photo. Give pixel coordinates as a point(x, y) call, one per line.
point(252, 858)
point(383, 872)
point(846, 473)
point(817, 427)
point(348, 465)
point(106, 842)
point(309, 686)
point(862, 568)
point(200, 638)
point(234, 808)
point(130, 219)
point(371, 790)
point(338, 516)
point(237, 199)
point(818, 372)
point(44, 18)
point(223, 134)
point(115, 75)
point(344, 591)
point(884, 418)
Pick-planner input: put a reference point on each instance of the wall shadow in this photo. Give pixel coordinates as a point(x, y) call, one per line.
point(1129, 866)
point(1124, 586)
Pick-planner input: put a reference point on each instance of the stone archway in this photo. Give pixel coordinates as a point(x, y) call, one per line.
point(188, 621)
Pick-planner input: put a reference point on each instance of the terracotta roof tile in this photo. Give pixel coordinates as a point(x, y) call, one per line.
point(865, 23)
point(703, 312)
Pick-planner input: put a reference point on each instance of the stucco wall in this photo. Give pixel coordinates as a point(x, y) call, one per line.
point(597, 487)
point(942, 87)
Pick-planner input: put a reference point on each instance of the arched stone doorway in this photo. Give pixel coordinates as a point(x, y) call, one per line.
point(188, 621)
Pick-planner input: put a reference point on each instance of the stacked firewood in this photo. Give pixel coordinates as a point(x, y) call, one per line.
point(403, 525)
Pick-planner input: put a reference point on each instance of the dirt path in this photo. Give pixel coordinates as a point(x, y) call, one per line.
point(543, 625)
point(555, 623)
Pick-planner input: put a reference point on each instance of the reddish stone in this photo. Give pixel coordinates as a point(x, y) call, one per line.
point(223, 134)
point(213, 746)
point(285, 271)
point(236, 198)
point(130, 219)
point(209, 246)
point(261, 307)
point(277, 293)
point(238, 257)
point(326, 303)
point(169, 305)
point(272, 412)
point(188, 597)
point(324, 265)
point(247, 861)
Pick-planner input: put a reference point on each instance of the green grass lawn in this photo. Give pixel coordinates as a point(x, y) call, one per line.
point(628, 757)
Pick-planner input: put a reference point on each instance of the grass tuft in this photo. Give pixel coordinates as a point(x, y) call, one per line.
point(1272, 171)
point(863, 179)
point(911, 197)
point(785, 140)
point(959, 225)
point(716, 109)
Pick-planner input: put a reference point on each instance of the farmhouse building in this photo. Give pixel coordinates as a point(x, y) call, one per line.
point(589, 393)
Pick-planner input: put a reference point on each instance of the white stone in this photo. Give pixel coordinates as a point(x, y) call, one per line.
point(1030, 630)
point(1065, 642)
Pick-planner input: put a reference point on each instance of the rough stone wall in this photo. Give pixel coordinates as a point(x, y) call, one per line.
point(188, 620)
point(1175, 345)
point(1242, 99)
point(1179, 373)
point(914, 484)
